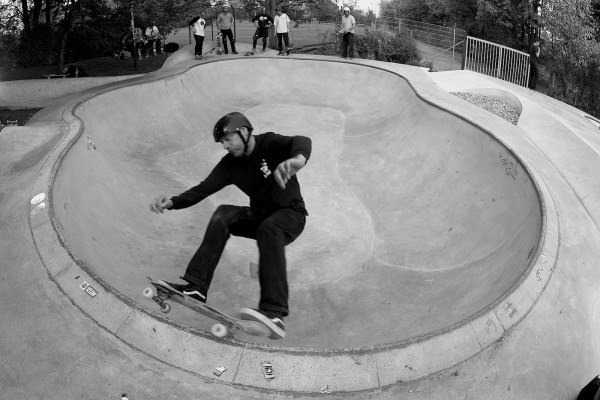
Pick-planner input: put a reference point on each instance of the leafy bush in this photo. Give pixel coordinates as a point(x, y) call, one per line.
point(87, 42)
point(9, 42)
point(37, 46)
point(386, 46)
point(378, 45)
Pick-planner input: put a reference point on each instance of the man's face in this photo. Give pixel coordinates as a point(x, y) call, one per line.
point(233, 143)
point(225, 9)
point(278, 12)
point(346, 13)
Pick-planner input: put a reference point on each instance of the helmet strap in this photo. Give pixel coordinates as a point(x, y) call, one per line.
point(246, 141)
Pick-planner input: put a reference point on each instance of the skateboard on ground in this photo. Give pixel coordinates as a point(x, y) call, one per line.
point(287, 50)
point(250, 53)
point(225, 325)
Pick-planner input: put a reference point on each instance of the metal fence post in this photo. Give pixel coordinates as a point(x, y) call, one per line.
point(499, 63)
point(453, 44)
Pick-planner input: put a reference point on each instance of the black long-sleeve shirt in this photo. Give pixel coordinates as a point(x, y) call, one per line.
point(253, 175)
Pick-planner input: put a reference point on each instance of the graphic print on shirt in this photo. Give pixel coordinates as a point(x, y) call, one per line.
point(264, 168)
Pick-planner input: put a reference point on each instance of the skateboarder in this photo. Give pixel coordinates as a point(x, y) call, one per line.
point(262, 22)
point(264, 167)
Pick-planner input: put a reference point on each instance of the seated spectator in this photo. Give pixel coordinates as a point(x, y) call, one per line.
point(154, 39)
point(73, 71)
point(134, 41)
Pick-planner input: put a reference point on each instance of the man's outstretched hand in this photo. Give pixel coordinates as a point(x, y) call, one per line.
point(288, 168)
point(160, 204)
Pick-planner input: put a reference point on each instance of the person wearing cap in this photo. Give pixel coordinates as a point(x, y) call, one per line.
point(224, 24)
point(348, 24)
point(282, 29)
point(262, 22)
point(264, 167)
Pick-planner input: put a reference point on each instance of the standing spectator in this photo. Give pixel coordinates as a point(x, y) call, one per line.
point(348, 24)
point(224, 23)
point(134, 41)
point(197, 24)
point(282, 28)
point(534, 68)
point(262, 22)
point(153, 37)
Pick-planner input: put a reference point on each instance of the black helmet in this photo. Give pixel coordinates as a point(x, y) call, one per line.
point(230, 123)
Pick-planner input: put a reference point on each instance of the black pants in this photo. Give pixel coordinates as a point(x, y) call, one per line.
point(285, 38)
point(228, 33)
point(348, 45)
point(272, 232)
point(198, 48)
point(260, 33)
point(534, 71)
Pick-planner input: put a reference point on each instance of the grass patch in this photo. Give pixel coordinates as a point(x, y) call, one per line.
point(19, 116)
point(103, 66)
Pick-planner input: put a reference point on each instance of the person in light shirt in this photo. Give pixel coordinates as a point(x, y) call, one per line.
point(282, 28)
point(154, 39)
point(197, 25)
point(348, 24)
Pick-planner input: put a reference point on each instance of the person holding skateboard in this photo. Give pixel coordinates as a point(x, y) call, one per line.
point(224, 23)
point(264, 167)
point(282, 28)
point(262, 22)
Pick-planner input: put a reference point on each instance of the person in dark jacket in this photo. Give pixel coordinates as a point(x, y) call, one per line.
point(262, 22)
point(534, 68)
point(264, 167)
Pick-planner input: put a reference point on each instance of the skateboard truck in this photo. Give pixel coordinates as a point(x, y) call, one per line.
point(225, 324)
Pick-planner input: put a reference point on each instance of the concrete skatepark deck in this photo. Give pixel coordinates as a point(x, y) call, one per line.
point(435, 227)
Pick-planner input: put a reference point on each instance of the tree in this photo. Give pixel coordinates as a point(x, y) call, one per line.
point(572, 48)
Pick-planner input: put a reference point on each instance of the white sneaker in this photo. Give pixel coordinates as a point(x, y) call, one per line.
point(275, 325)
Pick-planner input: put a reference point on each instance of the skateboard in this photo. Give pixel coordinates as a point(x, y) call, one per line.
point(50, 76)
point(225, 326)
point(250, 53)
point(288, 49)
point(219, 50)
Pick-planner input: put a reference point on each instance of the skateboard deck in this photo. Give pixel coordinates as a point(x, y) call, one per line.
point(225, 326)
point(288, 49)
point(250, 53)
point(219, 50)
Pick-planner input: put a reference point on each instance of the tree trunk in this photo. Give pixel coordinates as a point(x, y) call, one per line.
point(69, 24)
point(48, 15)
point(272, 34)
point(61, 53)
point(25, 7)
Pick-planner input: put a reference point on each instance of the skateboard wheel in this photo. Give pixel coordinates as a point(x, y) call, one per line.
point(219, 330)
point(165, 308)
point(148, 292)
